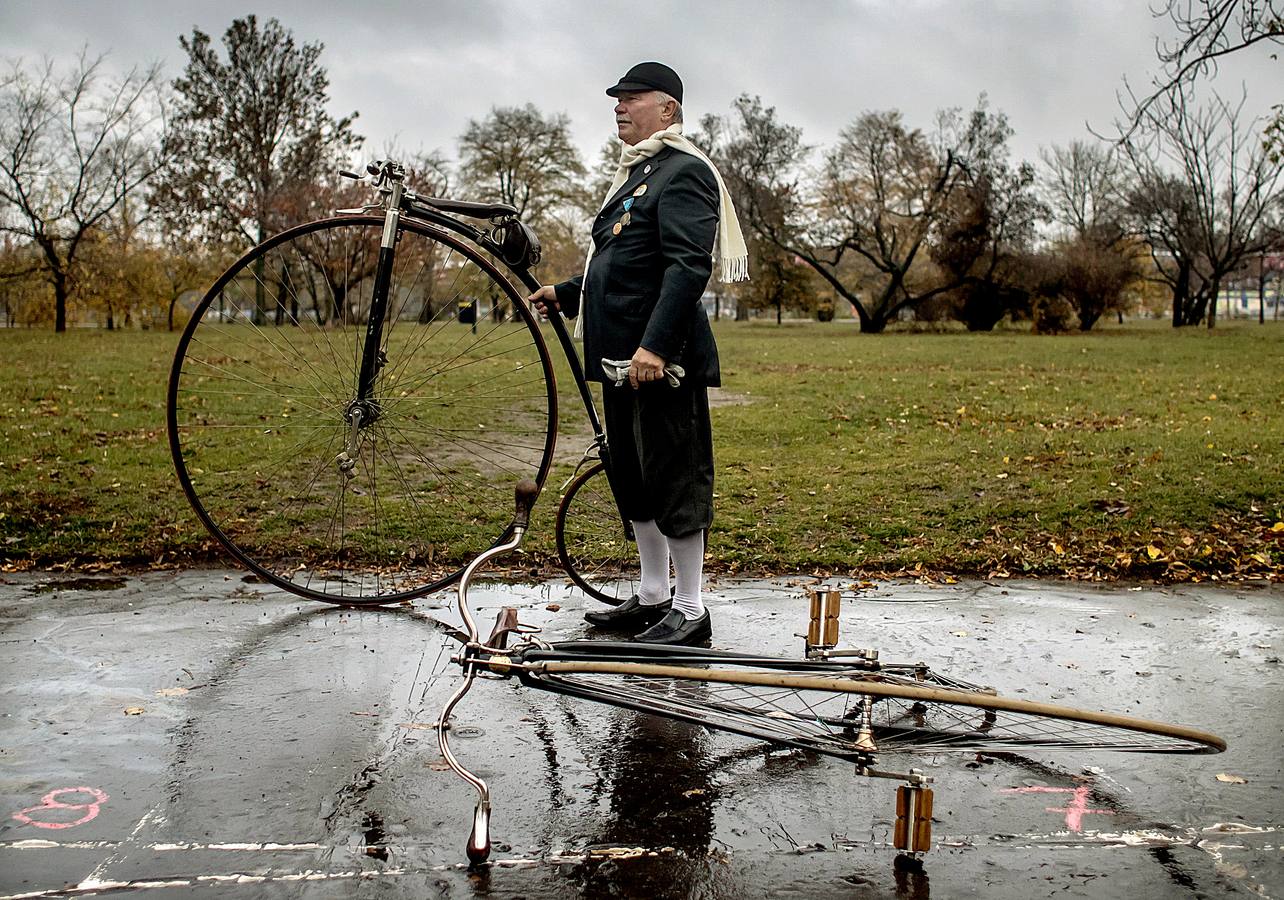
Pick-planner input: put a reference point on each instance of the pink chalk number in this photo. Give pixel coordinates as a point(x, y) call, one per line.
point(51, 801)
point(1074, 810)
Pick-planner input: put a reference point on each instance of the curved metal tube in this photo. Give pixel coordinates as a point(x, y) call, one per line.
point(479, 839)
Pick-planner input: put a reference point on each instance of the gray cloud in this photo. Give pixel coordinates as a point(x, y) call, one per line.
point(417, 71)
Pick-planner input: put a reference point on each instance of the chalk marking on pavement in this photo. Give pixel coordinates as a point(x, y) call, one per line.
point(51, 801)
point(231, 878)
point(1199, 838)
point(263, 847)
point(1074, 810)
point(117, 854)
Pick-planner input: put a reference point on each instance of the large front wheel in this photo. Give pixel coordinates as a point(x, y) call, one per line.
point(350, 499)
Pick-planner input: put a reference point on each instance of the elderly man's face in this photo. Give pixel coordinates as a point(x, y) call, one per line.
point(640, 115)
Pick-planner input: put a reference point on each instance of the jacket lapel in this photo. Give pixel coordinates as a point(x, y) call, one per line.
point(611, 210)
point(637, 175)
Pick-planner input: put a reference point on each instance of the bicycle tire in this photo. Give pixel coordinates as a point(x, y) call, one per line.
point(265, 374)
point(591, 544)
point(817, 712)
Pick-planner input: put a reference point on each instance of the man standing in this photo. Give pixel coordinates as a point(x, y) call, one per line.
point(640, 314)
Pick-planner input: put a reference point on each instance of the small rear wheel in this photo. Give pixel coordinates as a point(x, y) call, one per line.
point(263, 410)
point(592, 545)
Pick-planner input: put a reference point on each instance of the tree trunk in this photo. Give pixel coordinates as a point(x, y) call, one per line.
point(340, 300)
point(1261, 292)
point(60, 303)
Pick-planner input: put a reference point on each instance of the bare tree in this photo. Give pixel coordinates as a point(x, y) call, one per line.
point(516, 155)
point(1094, 259)
point(1207, 31)
point(880, 202)
point(1086, 188)
point(73, 146)
point(1206, 187)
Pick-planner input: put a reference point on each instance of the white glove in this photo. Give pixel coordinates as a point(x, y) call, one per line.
point(617, 370)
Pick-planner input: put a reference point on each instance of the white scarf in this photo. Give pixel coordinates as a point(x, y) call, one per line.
point(732, 252)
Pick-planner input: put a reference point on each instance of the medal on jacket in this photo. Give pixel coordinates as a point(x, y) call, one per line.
point(628, 203)
point(640, 191)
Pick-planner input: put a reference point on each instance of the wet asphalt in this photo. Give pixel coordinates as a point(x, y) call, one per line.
point(200, 734)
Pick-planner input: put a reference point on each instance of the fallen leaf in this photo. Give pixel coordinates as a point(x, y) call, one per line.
point(171, 692)
point(134, 710)
point(959, 633)
point(553, 607)
point(695, 792)
point(1231, 779)
point(1153, 552)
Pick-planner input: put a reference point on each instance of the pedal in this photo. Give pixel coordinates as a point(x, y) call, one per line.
point(913, 832)
point(822, 630)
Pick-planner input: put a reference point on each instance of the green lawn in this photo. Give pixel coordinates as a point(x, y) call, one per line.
point(1138, 451)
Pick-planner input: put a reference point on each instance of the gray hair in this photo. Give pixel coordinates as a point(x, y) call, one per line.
point(665, 98)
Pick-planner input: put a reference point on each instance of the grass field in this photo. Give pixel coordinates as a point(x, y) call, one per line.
point(1134, 452)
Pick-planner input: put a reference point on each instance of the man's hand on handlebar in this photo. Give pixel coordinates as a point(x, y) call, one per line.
point(544, 299)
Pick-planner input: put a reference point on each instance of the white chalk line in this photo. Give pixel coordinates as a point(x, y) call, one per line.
point(231, 878)
point(1203, 839)
point(118, 853)
point(265, 847)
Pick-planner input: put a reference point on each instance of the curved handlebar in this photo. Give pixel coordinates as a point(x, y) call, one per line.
point(525, 495)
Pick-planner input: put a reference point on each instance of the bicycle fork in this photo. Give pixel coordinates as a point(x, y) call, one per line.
point(363, 411)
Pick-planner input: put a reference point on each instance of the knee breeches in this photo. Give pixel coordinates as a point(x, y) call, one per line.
point(661, 448)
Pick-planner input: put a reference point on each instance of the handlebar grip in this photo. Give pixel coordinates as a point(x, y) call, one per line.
point(526, 492)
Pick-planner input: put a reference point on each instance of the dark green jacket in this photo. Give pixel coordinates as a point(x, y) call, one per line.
point(645, 283)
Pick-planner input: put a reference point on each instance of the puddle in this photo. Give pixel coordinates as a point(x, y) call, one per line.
point(78, 584)
point(375, 838)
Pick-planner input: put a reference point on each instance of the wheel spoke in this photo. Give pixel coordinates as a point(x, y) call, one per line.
point(262, 395)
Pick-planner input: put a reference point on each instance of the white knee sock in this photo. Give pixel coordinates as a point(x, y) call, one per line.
point(653, 553)
point(688, 567)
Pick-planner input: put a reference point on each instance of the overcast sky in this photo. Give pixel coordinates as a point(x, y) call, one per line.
point(417, 71)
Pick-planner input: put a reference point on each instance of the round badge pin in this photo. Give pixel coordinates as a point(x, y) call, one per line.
point(617, 228)
point(640, 191)
point(626, 218)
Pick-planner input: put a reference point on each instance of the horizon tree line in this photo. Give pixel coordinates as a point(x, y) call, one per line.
point(121, 194)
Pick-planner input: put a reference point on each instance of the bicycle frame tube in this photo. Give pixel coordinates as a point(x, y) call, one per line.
point(379, 298)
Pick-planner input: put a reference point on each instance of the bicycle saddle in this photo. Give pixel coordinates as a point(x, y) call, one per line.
point(469, 208)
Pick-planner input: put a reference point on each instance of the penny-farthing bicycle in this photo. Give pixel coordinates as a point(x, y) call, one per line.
point(353, 400)
point(350, 407)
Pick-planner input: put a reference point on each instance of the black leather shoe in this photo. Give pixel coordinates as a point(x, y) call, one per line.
point(675, 628)
point(629, 615)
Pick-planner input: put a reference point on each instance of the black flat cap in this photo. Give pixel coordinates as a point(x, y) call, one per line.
point(649, 76)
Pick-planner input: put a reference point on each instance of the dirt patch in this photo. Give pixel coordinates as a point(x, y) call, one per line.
point(721, 397)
